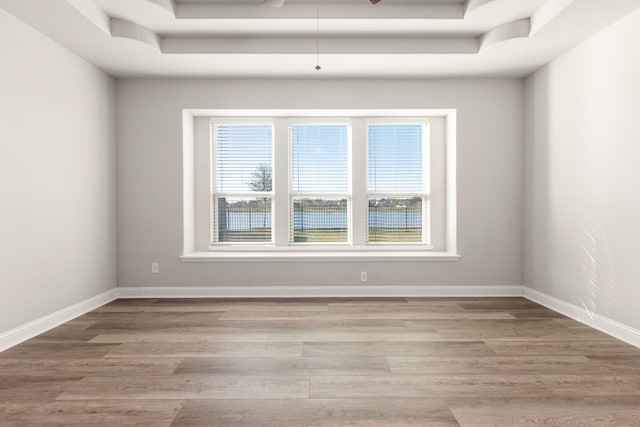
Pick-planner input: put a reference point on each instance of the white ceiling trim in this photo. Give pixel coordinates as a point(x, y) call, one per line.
point(132, 31)
point(474, 4)
point(509, 31)
point(308, 11)
point(381, 11)
point(547, 13)
point(349, 45)
point(168, 5)
point(93, 13)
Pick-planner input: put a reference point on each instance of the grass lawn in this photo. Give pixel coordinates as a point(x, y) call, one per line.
point(399, 235)
point(379, 235)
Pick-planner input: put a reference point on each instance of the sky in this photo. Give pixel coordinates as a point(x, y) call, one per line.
point(320, 159)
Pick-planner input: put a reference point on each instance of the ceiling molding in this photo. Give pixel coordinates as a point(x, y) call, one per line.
point(509, 31)
point(93, 13)
point(331, 11)
point(132, 31)
point(246, 39)
point(168, 5)
point(121, 28)
point(550, 10)
point(471, 5)
point(307, 45)
point(297, 45)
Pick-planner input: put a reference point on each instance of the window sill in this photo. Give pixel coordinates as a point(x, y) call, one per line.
point(333, 256)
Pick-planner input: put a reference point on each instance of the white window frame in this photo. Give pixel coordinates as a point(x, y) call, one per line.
point(425, 194)
point(296, 194)
point(197, 189)
point(215, 194)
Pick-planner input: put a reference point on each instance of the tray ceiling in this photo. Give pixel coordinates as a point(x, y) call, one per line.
point(245, 38)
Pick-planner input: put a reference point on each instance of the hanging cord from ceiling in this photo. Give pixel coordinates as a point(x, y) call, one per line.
point(318, 67)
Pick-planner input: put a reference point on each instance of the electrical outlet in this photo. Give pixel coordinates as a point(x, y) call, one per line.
point(363, 276)
point(155, 267)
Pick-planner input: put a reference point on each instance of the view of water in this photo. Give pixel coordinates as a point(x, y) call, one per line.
point(314, 220)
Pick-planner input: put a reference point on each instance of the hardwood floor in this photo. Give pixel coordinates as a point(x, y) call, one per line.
point(321, 362)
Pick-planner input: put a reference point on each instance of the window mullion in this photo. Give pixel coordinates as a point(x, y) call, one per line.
point(213, 185)
point(437, 157)
point(359, 200)
point(281, 182)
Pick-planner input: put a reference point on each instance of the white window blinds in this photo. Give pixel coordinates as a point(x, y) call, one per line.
point(243, 182)
point(320, 181)
point(244, 157)
point(395, 157)
point(397, 188)
point(320, 161)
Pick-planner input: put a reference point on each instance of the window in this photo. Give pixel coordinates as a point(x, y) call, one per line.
point(242, 182)
point(320, 183)
point(397, 188)
point(312, 184)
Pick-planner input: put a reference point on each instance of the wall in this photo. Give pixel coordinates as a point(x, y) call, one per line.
point(57, 177)
point(150, 179)
point(581, 181)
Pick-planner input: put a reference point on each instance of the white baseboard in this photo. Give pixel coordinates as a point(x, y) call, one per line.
point(22, 333)
point(596, 321)
point(318, 291)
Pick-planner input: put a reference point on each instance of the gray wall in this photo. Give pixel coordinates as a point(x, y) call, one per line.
point(57, 177)
point(582, 176)
point(150, 179)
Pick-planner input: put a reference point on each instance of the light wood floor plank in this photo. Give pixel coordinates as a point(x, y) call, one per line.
point(17, 369)
point(180, 337)
point(205, 349)
point(359, 365)
point(90, 413)
point(533, 365)
point(466, 386)
point(606, 347)
point(356, 334)
point(445, 349)
point(34, 391)
point(60, 350)
point(181, 387)
point(511, 329)
point(545, 412)
point(316, 412)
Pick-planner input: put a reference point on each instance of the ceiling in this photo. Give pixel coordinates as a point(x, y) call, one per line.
point(348, 38)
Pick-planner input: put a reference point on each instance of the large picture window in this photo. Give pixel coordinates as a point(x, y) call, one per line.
point(307, 184)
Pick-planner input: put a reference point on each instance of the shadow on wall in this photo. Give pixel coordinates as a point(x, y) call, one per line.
point(581, 253)
point(598, 270)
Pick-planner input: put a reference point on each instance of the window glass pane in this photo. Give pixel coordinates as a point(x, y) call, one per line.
point(244, 157)
point(320, 220)
point(243, 219)
point(395, 157)
point(320, 154)
point(395, 219)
